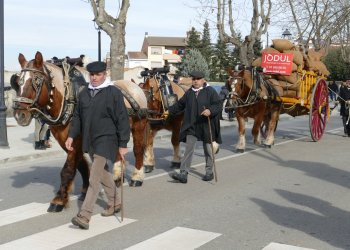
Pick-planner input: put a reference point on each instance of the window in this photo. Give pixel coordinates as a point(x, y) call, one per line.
point(156, 50)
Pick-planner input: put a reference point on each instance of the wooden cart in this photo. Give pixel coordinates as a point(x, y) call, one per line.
point(312, 100)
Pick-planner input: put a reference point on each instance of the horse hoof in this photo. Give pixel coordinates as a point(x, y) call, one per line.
point(267, 146)
point(54, 208)
point(82, 197)
point(148, 169)
point(175, 164)
point(135, 183)
point(239, 150)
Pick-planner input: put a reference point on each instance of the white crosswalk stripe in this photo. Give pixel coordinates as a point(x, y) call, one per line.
point(177, 238)
point(278, 246)
point(52, 238)
point(20, 213)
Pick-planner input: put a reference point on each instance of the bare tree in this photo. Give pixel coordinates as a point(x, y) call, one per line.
point(343, 38)
point(259, 22)
point(317, 21)
point(115, 28)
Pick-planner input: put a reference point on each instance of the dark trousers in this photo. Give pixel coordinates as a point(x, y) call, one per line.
point(346, 126)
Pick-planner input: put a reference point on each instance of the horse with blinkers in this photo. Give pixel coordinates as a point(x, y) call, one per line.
point(49, 92)
point(161, 93)
point(254, 97)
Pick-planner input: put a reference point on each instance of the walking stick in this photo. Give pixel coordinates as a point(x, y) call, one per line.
point(212, 149)
point(121, 191)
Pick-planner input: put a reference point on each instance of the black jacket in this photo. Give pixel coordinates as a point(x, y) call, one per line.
point(102, 121)
point(344, 93)
point(194, 123)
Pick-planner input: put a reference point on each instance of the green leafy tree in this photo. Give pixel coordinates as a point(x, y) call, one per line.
point(340, 70)
point(193, 41)
point(206, 48)
point(193, 60)
point(257, 48)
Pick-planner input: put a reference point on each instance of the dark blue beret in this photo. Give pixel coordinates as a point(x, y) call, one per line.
point(197, 74)
point(96, 67)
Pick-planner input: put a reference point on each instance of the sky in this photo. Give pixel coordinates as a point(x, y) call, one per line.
point(65, 28)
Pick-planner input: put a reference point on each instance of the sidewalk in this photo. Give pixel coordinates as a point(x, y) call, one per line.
point(21, 143)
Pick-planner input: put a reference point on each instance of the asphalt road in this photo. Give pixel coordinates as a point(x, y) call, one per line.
point(295, 194)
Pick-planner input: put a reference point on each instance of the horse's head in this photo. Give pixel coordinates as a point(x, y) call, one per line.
point(152, 91)
point(32, 88)
point(239, 83)
point(156, 81)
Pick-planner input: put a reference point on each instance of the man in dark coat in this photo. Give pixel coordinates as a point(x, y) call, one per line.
point(199, 102)
point(333, 90)
point(344, 100)
point(102, 119)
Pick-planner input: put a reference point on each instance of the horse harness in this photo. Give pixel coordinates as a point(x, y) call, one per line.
point(253, 96)
point(68, 100)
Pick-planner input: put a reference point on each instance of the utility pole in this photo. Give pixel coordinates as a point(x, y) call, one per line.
point(3, 127)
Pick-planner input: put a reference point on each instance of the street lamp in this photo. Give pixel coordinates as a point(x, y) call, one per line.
point(99, 39)
point(3, 129)
point(286, 34)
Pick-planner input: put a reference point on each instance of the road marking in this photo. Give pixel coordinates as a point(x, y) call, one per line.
point(67, 234)
point(24, 212)
point(278, 246)
point(176, 238)
point(233, 156)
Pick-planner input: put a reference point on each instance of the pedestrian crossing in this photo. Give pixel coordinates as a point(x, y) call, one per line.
point(173, 239)
point(278, 246)
point(52, 238)
point(177, 238)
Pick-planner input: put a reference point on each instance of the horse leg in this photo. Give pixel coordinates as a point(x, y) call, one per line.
point(240, 147)
point(148, 159)
point(137, 129)
point(84, 169)
point(256, 126)
point(138, 174)
point(272, 125)
point(67, 176)
point(175, 140)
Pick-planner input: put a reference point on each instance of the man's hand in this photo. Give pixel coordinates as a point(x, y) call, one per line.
point(123, 152)
point(69, 143)
point(206, 112)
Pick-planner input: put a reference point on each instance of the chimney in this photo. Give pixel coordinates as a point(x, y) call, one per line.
point(146, 34)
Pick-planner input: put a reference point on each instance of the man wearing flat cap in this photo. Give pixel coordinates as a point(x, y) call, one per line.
point(101, 120)
point(198, 103)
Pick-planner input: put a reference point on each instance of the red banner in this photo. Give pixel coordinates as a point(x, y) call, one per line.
point(277, 63)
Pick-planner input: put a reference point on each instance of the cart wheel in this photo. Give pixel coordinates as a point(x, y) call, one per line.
point(319, 110)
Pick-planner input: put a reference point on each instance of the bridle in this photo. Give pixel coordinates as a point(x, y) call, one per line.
point(239, 101)
point(37, 84)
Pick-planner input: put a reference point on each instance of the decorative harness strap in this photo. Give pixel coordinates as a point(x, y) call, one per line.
point(135, 107)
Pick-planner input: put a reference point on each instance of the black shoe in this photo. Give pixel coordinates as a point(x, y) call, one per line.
point(181, 177)
point(39, 146)
point(208, 177)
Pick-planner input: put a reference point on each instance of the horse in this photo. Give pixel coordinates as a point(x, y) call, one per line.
point(253, 97)
point(48, 92)
point(161, 93)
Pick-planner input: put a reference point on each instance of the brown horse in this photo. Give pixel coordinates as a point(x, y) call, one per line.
point(49, 92)
point(253, 97)
point(161, 93)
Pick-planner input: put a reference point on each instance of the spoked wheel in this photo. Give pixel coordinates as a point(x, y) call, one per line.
point(319, 110)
